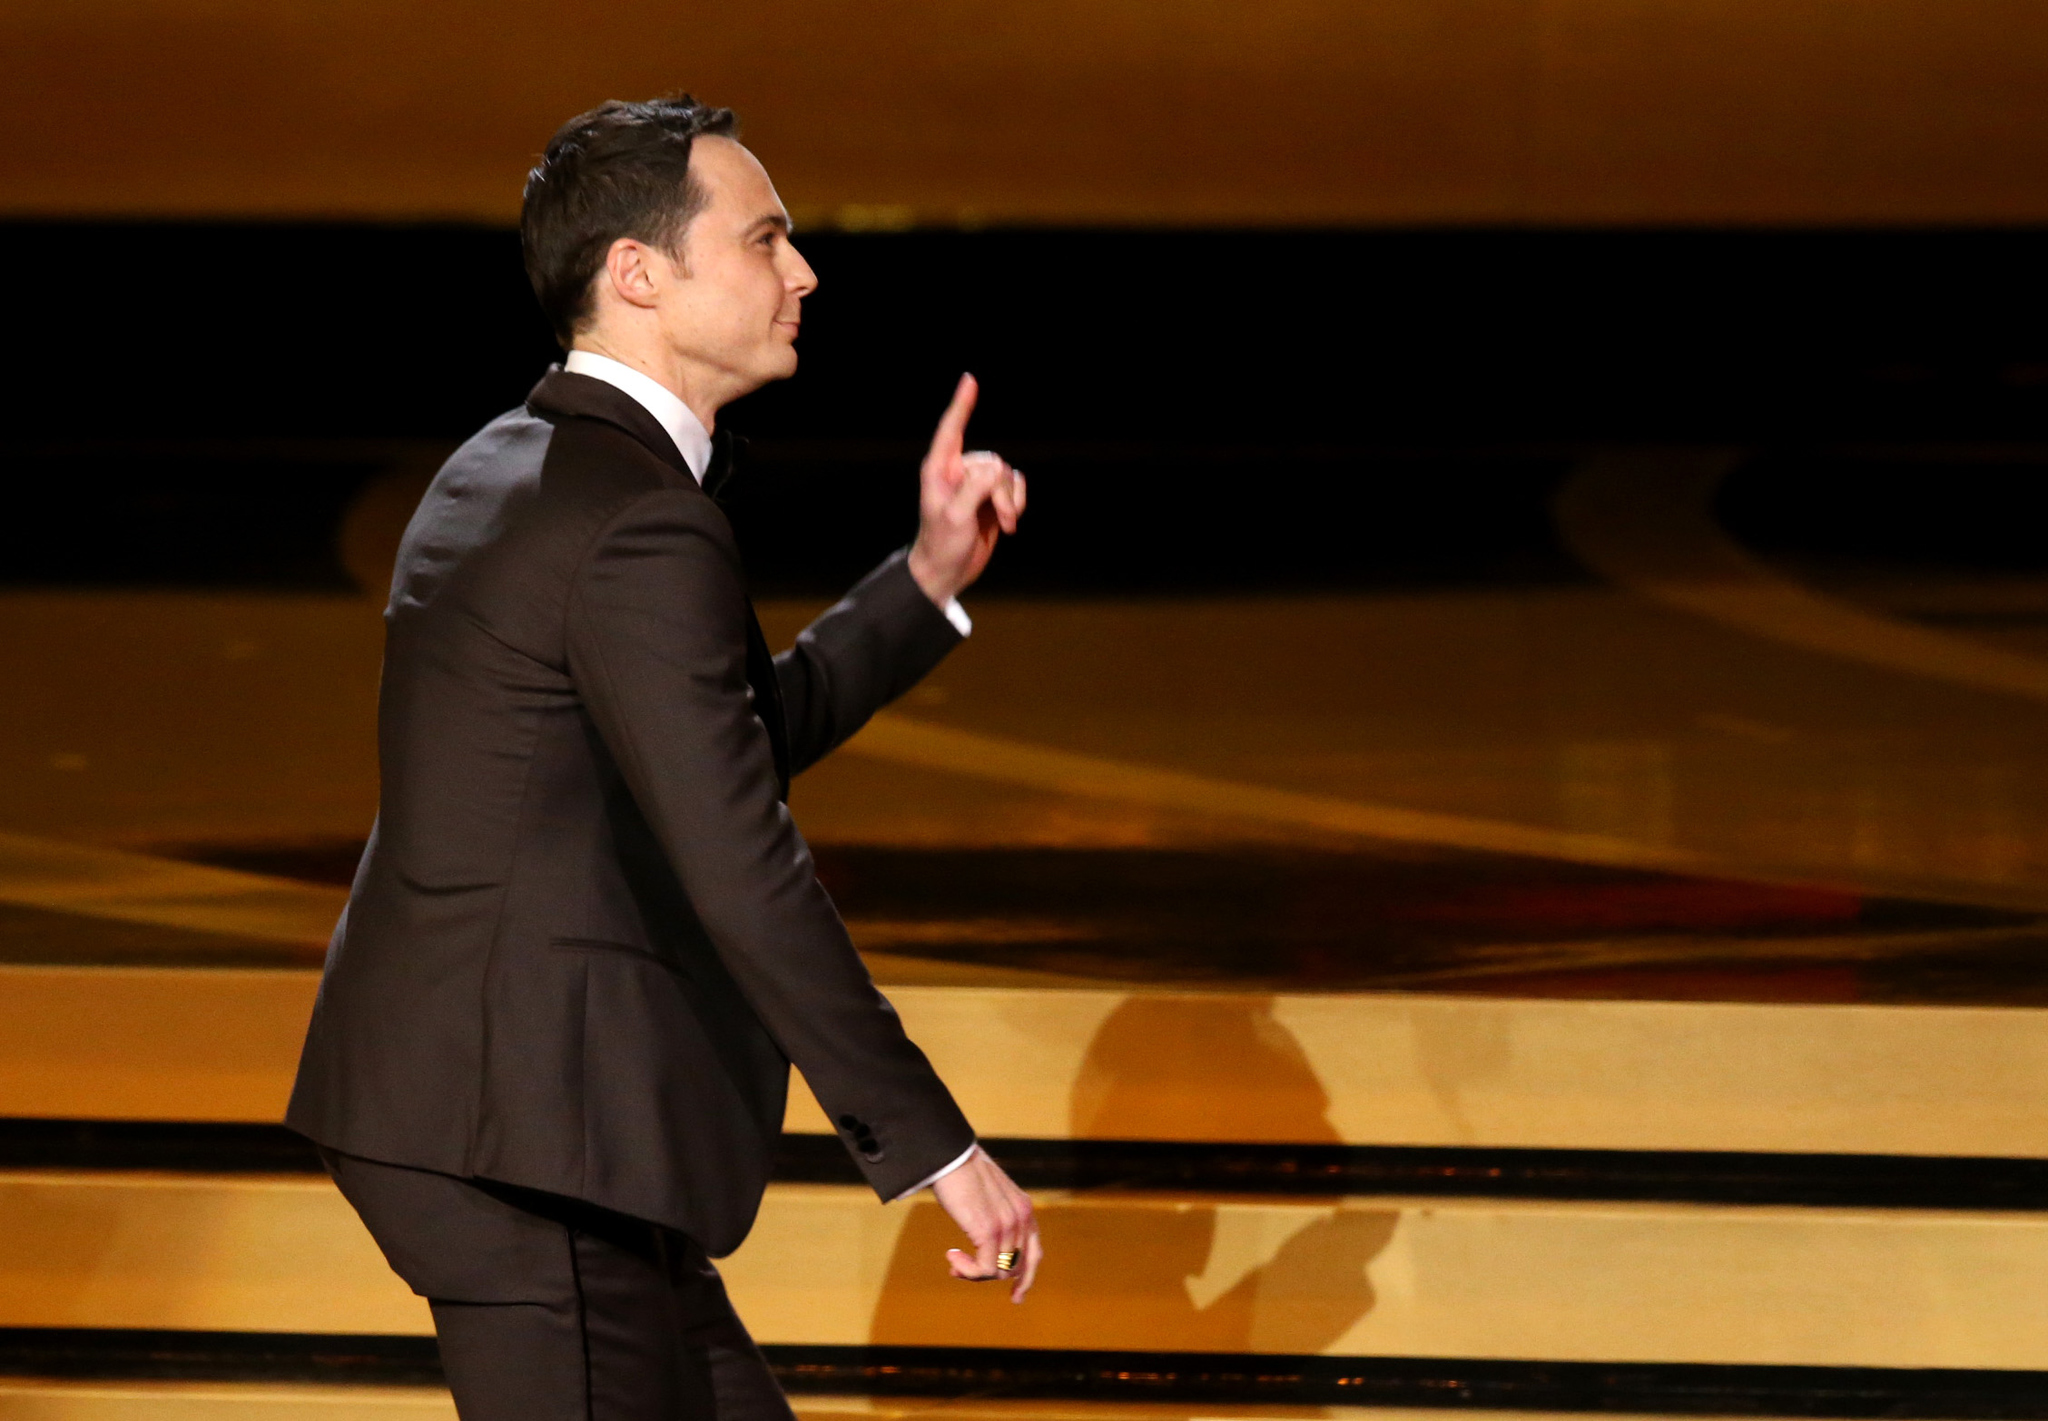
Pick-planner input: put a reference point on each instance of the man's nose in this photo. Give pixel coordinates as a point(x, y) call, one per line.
point(800, 279)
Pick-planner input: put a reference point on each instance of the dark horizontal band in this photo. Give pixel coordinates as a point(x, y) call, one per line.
point(1671, 1388)
point(1844, 1181)
point(1679, 1176)
point(1641, 1387)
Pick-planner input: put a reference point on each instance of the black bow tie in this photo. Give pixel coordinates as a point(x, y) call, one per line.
point(728, 453)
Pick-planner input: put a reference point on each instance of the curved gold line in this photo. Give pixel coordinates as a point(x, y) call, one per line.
point(1644, 521)
point(925, 745)
point(137, 888)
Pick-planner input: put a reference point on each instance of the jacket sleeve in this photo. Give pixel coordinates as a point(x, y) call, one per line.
point(874, 644)
point(657, 647)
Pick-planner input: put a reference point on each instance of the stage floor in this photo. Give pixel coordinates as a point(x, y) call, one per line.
point(1706, 775)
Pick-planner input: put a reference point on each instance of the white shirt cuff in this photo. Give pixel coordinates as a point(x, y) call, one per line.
point(963, 624)
point(936, 1175)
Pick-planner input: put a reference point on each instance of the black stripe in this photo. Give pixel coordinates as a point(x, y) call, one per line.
point(1706, 1177)
point(121, 1354)
point(1670, 1388)
point(1845, 1181)
point(155, 1144)
point(1650, 1387)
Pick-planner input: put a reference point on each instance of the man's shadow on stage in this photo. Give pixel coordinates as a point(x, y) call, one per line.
point(1182, 1275)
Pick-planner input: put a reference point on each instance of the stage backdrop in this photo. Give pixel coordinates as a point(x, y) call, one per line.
point(938, 112)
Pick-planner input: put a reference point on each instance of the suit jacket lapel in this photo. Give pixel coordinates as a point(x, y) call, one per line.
point(588, 398)
point(726, 451)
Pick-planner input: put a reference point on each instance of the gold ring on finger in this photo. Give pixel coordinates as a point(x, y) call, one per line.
point(1006, 1261)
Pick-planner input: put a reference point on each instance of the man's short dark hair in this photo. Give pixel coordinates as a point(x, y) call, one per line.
point(621, 170)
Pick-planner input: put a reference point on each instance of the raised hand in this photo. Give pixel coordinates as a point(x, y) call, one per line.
point(966, 500)
point(996, 1216)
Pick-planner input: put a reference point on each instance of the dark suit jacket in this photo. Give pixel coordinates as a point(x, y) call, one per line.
point(586, 941)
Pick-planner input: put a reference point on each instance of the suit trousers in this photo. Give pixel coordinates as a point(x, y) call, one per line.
point(552, 1309)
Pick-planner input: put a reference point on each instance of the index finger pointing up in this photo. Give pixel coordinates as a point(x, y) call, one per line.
point(952, 431)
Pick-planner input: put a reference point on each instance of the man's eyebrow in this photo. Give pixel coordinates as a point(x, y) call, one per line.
point(772, 219)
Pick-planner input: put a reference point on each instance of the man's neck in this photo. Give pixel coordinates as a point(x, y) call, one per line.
point(670, 373)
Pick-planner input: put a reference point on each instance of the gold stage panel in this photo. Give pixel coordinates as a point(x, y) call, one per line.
point(131, 1043)
point(1418, 1070)
point(190, 1252)
point(1069, 1063)
point(26, 1400)
point(1347, 1277)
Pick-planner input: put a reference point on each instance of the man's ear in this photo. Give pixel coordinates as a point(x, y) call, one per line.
point(635, 272)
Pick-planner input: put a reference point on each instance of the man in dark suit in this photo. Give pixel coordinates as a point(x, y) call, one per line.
point(550, 1054)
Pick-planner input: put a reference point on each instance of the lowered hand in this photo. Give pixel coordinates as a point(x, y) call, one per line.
point(996, 1216)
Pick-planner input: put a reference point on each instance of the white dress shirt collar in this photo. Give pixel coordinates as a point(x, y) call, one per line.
point(688, 431)
point(657, 399)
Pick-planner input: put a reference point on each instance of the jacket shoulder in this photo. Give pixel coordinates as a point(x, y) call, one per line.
point(528, 490)
point(473, 500)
